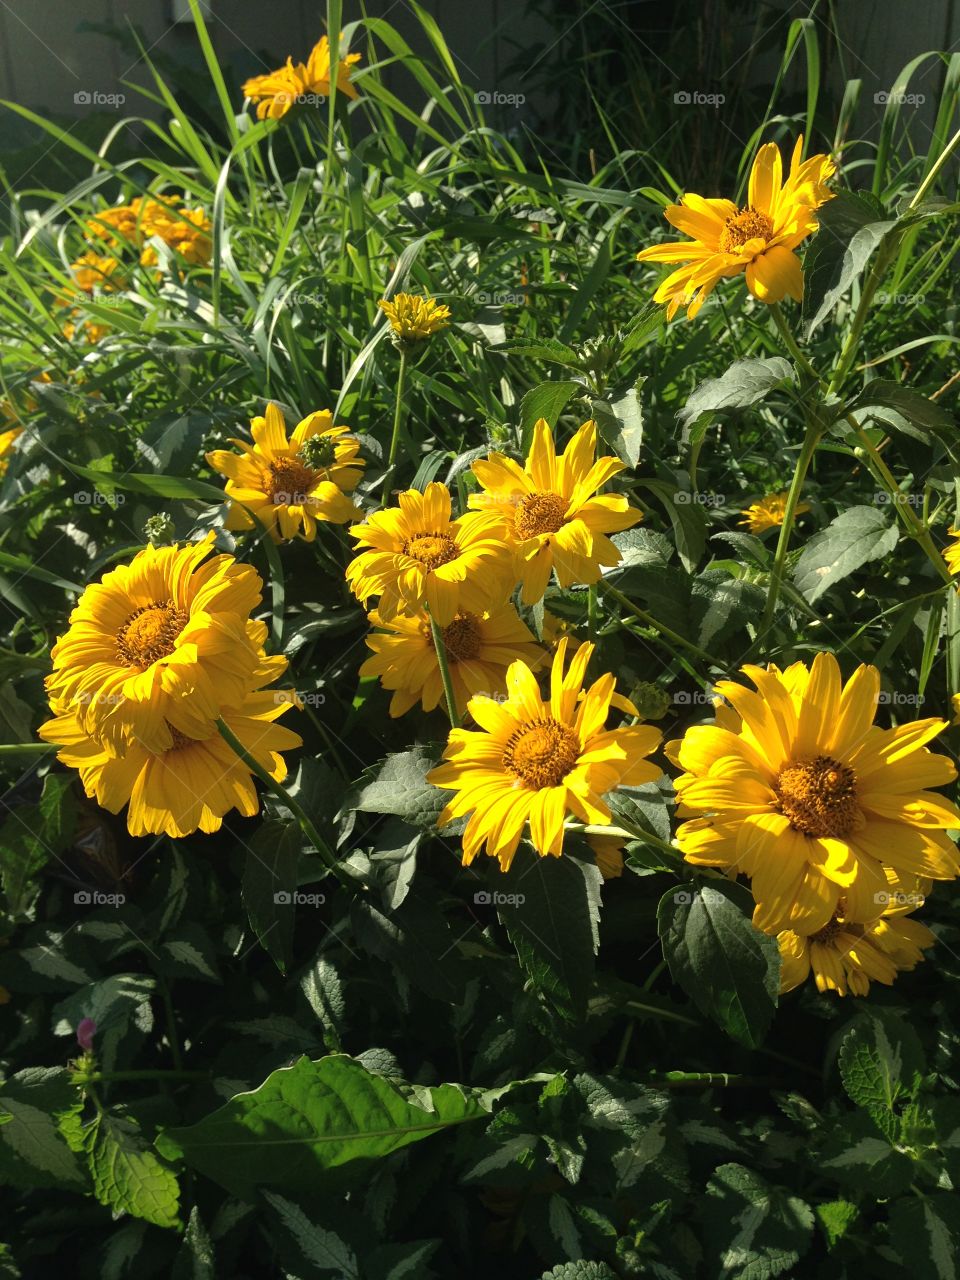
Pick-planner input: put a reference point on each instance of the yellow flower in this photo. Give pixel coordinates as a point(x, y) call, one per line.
point(846, 957)
point(414, 319)
point(535, 761)
point(952, 553)
point(608, 851)
point(184, 230)
point(759, 239)
point(549, 512)
point(298, 85)
point(291, 483)
point(768, 513)
point(158, 645)
point(421, 557)
point(195, 781)
point(479, 649)
point(795, 787)
point(95, 271)
point(7, 440)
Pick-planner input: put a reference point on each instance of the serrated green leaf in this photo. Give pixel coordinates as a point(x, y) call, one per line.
point(836, 1217)
point(33, 1151)
point(743, 384)
point(854, 538)
point(312, 1118)
point(547, 401)
point(756, 1231)
point(400, 787)
point(925, 1231)
point(127, 1176)
point(728, 968)
point(881, 1062)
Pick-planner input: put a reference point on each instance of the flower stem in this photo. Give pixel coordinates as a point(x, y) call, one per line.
point(309, 830)
point(397, 419)
point(651, 622)
point(807, 450)
point(441, 652)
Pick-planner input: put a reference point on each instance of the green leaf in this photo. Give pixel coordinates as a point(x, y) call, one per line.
point(548, 349)
point(546, 401)
point(730, 970)
point(620, 424)
point(31, 835)
point(917, 409)
point(836, 1217)
point(269, 883)
point(400, 787)
point(855, 537)
point(925, 1231)
point(857, 1156)
point(724, 605)
point(850, 227)
point(551, 914)
point(33, 1151)
point(688, 518)
point(881, 1062)
point(743, 384)
point(755, 1231)
point(312, 1118)
point(127, 1176)
point(323, 990)
point(115, 1004)
point(580, 1271)
point(323, 1252)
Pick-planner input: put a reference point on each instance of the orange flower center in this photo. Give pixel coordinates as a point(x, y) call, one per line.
point(179, 739)
point(539, 512)
point(149, 634)
point(828, 933)
point(542, 752)
point(461, 638)
point(290, 481)
point(819, 797)
point(431, 549)
point(746, 224)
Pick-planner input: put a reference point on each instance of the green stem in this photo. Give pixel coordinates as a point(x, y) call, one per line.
point(807, 450)
point(309, 830)
point(397, 419)
point(914, 527)
point(97, 1077)
point(941, 160)
point(171, 1026)
point(26, 748)
point(592, 614)
point(645, 837)
point(709, 1080)
point(651, 622)
point(441, 652)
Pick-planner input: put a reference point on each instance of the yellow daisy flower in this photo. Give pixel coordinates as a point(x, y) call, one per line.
point(420, 557)
point(535, 761)
point(193, 783)
point(795, 787)
point(291, 483)
point(414, 319)
point(95, 271)
point(7, 441)
point(608, 851)
point(769, 511)
point(297, 85)
point(479, 649)
point(158, 645)
point(549, 511)
point(846, 957)
point(952, 553)
point(758, 240)
point(185, 230)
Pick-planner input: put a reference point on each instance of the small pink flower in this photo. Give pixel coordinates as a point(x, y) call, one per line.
point(86, 1030)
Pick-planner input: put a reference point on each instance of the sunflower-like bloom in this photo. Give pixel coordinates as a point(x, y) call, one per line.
point(797, 788)
point(535, 761)
point(185, 230)
point(7, 440)
point(193, 783)
point(95, 271)
point(768, 512)
point(298, 85)
point(479, 648)
point(159, 645)
point(759, 239)
point(414, 319)
point(419, 557)
point(846, 957)
point(952, 553)
point(549, 512)
point(291, 483)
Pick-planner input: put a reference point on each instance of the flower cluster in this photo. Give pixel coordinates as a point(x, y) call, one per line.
point(830, 816)
point(299, 84)
point(186, 231)
point(289, 483)
point(156, 656)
